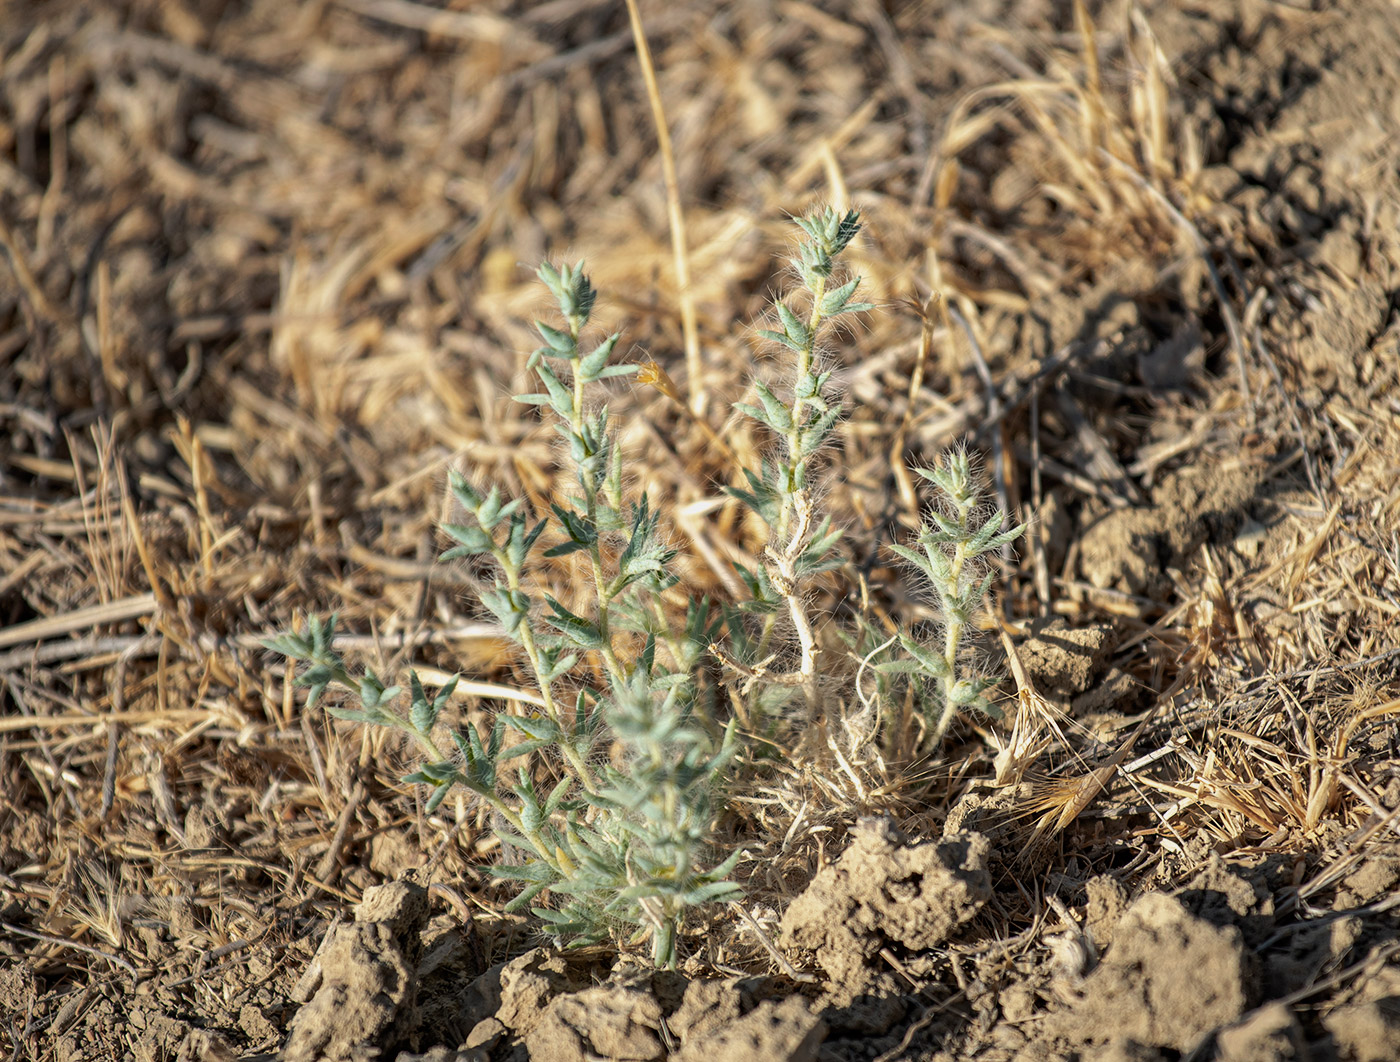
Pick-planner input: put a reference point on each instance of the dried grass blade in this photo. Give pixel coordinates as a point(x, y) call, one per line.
point(126, 608)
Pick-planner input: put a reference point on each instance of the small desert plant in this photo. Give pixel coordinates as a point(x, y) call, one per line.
point(623, 842)
point(624, 846)
point(954, 543)
point(780, 492)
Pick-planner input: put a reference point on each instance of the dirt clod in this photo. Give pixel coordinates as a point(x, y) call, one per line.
point(368, 990)
point(1168, 979)
point(202, 1046)
point(529, 984)
point(1269, 1034)
point(1130, 549)
point(706, 1007)
point(1224, 897)
point(1366, 1032)
point(1108, 900)
point(1375, 877)
point(613, 1021)
point(442, 1054)
point(786, 1031)
point(1065, 659)
point(1123, 1050)
point(887, 891)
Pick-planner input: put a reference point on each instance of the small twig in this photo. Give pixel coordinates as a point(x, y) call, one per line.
point(62, 942)
point(755, 672)
point(326, 867)
point(1251, 315)
point(109, 771)
point(461, 25)
point(1050, 370)
point(771, 948)
point(454, 898)
point(1069, 477)
point(223, 949)
point(1035, 530)
point(594, 51)
point(38, 630)
point(41, 739)
point(917, 1026)
point(177, 717)
point(1376, 959)
point(37, 300)
point(69, 649)
point(865, 663)
point(1316, 672)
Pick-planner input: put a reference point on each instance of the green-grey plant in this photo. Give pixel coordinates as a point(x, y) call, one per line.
point(623, 848)
point(803, 416)
point(622, 844)
point(953, 545)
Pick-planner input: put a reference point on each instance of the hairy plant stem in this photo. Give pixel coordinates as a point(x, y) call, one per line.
point(595, 554)
point(952, 635)
point(797, 503)
point(782, 571)
point(527, 642)
point(794, 435)
point(532, 654)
